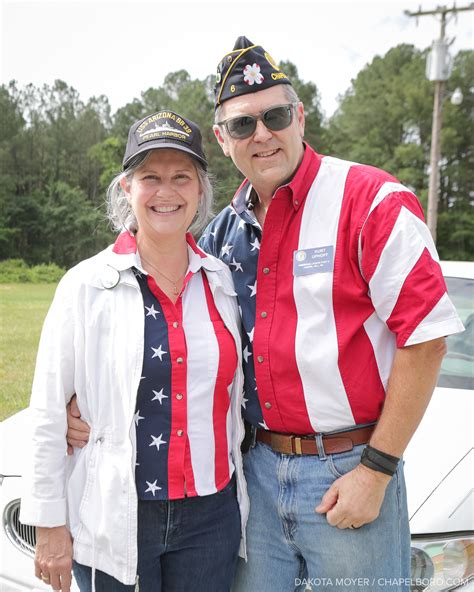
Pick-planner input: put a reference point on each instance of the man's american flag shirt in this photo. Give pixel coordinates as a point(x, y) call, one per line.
point(318, 348)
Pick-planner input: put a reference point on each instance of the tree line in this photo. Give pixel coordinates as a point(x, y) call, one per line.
point(58, 153)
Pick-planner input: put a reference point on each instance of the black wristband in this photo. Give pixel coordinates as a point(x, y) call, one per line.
point(379, 461)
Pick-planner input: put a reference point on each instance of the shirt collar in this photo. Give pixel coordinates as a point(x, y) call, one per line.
point(125, 254)
point(297, 188)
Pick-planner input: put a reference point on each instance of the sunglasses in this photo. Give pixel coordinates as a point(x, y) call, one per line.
point(275, 119)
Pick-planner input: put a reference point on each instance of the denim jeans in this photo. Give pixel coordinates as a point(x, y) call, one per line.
point(290, 546)
point(184, 545)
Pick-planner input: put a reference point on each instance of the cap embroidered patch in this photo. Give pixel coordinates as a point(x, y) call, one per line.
point(252, 74)
point(271, 61)
point(164, 125)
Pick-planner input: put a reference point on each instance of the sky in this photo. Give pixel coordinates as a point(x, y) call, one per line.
point(120, 49)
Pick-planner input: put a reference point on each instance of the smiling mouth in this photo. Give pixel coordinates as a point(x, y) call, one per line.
point(266, 154)
point(165, 209)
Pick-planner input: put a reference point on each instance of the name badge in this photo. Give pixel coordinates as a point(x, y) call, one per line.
point(317, 260)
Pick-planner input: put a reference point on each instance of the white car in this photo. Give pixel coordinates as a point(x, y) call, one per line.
point(439, 462)
point(439, 467)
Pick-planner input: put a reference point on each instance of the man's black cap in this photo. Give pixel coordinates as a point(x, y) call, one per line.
point(164, 129)
point(247, 68)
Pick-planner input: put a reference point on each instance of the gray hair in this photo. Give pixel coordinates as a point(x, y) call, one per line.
point(290, 95)
point(120, 213)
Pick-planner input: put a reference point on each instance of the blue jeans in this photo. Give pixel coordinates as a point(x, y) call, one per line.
point(183, 546)
point(289, 545)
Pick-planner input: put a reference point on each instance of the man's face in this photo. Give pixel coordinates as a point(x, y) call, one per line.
point(266, 158)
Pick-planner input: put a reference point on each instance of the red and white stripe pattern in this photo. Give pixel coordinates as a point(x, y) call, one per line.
point(211, 364)
point(386, 291)
point(324, 343)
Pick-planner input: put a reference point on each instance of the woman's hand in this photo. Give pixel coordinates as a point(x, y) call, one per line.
point(53, 557)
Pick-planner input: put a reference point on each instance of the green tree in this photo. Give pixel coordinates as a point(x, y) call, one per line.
point(309, 95)
point(74, 229)
point(384, 119)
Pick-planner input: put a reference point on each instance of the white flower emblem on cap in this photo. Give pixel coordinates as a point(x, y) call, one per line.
point(252, 74)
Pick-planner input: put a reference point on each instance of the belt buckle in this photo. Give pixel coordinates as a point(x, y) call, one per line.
point(296, 445)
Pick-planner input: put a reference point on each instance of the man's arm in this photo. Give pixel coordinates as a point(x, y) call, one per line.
point(77, 430)
point(356, 498)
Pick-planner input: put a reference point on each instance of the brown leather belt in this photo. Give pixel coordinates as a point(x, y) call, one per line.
point(333, 443)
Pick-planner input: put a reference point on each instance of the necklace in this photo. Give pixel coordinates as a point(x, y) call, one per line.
point(172, 282)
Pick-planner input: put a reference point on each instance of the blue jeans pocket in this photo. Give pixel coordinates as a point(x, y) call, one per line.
point(344, 462)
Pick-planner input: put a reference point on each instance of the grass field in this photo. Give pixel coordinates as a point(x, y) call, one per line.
point(22, 311)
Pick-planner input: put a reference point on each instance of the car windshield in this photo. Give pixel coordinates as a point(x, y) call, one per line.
point(457, 369)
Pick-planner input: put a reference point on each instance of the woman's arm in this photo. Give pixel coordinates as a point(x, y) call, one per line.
point(44, 478)
point(53, 557)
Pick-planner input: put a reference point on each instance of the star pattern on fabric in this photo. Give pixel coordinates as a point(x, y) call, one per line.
point(159, 396)
point(152, 487)
point(253, 289)
point(226, 249)
point(263, 424)
point(151, 311)
point(137, 417)
point(246, 353)
point(244, 402)
point(250, 334)
point(157, 441)
point(158, 352)
point(236, 264)
point(241, 225)
point(255, 245)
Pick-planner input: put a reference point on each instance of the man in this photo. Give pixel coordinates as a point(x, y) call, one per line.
point(344, 313)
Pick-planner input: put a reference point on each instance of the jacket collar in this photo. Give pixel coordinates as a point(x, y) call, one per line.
point(124, 254)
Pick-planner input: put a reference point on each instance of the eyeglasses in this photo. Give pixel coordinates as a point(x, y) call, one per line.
point(275, 119)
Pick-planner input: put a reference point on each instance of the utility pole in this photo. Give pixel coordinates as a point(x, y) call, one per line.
point(438, 70)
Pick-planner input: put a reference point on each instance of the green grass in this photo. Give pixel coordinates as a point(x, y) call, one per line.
point(22, 311)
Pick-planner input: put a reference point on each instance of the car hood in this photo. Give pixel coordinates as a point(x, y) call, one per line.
point(14, 434)
point(439, 465)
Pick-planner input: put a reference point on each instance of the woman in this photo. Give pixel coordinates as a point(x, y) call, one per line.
point(147, 334)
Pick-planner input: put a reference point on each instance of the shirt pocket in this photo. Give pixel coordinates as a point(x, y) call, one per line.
point(202, 346)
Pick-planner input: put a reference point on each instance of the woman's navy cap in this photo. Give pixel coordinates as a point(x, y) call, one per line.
point(164, 129)
point(247, 68)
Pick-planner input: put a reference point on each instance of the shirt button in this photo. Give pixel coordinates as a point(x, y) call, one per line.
point(180, 432)
point(179, 396)
point(260, 359)
point(268, 405)
point(175, 324)
point(266, 270)
point(296, 202)
point(263, 315)
point(179, 360)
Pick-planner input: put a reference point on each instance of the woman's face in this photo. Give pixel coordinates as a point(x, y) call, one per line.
point(164, 193)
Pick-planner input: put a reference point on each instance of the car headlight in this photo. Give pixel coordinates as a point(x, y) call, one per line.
point(441, 563)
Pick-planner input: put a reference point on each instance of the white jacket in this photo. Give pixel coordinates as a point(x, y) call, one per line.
point(92, 345)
